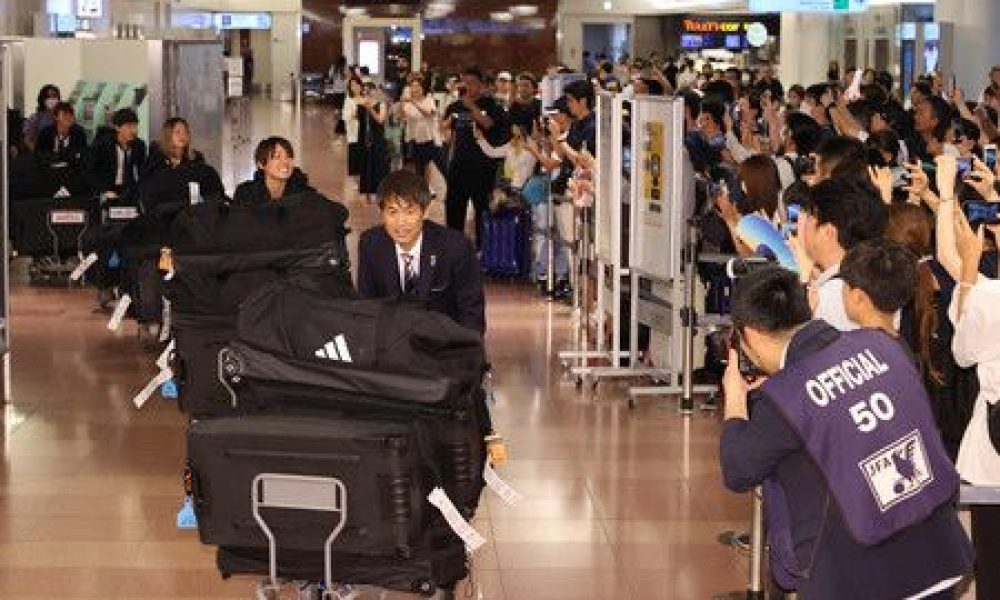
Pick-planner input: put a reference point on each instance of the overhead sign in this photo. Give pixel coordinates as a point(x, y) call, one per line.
point(89, 9)
point(809, 5)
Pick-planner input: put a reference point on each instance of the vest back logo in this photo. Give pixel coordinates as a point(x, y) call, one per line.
point(335, 350)
point(898, 471)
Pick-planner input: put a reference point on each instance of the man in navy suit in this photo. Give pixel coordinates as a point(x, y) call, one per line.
point(408, 256)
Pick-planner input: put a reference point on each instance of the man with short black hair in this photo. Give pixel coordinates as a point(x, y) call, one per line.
point(471, 173)
point(837, 215)
point(116, 161)
point(767, 82)
point(64, 141)
point(880, 278)
point(858, 491)
point(409, 256)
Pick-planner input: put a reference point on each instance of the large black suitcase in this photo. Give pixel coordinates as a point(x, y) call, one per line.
point(380, 463)
point(260, 382)
point(223, 254)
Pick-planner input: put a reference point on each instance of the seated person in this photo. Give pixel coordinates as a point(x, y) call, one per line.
point(410, 256)
point(880, 278)
point(276, 176)
point(48, 98)
point(116, 161)
point(841, 436)
point(64, 142)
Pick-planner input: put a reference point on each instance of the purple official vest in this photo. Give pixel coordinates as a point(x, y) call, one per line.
point(863, 414)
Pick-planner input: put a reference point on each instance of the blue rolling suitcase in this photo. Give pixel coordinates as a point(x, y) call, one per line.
point(506, 243)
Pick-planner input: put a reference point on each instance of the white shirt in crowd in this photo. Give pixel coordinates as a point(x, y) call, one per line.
point(351, 123)
point(421, 128)
point(830, 307)
point(518, 164)
point(978, 461)
point(415, 253)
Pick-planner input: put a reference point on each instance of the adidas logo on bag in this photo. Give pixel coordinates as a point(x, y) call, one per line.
point(335, 350)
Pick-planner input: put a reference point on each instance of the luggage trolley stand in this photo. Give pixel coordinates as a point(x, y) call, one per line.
point(690, 323)
point(298, 492)
point(603, 252)
point(55, 270)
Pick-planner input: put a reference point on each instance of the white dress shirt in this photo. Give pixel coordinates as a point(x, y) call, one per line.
point(415, 253)
point(830, 307)
point(976, 343)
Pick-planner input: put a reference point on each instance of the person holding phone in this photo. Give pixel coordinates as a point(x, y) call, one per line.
point(471, 173)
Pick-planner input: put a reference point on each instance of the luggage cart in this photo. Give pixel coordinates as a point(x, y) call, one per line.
point(298, 492)
point(54, 269)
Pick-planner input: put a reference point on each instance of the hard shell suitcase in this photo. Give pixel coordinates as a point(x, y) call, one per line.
point(260, 382)
point(381, 464)
point(506, 243)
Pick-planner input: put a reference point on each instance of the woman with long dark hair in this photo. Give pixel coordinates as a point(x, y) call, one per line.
point(372, 115)
point(352, 124)
point(48, 98)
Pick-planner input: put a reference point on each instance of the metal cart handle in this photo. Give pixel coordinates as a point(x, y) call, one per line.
point(299, 492)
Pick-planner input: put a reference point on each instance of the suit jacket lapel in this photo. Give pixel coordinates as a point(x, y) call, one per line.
point(391, 272)
point(430, 253)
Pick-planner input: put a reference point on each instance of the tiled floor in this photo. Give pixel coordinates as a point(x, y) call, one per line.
point(619, 504)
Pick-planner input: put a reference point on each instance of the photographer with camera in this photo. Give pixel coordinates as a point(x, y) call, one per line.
point(858, 490)
point(471, 173)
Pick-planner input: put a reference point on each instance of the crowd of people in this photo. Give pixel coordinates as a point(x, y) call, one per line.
point(890, 208)
point(889, 205)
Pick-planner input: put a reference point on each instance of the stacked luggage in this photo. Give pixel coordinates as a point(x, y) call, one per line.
point(310, 402)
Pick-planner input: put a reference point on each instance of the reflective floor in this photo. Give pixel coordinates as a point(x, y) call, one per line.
point(619, 503)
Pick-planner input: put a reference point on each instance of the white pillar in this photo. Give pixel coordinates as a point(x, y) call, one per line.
point(807, 46)
point(976, 43)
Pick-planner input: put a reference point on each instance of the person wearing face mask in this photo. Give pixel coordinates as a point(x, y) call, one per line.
point(276, 177)
point(48, 97)
point(858, 491)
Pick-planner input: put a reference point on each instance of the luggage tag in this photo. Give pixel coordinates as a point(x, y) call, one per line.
point(166, 262)
point(186, 518)
point(501, 488)
point(163, 361)
point(165, 321)
point(168, 391)
point(143, 396)
point(116, 317)
point(473, 540)
point(115, 260)
point(491, 397)
point(496, 448)
point(83, 266)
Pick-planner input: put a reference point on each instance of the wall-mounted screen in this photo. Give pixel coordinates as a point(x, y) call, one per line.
point(243, 20)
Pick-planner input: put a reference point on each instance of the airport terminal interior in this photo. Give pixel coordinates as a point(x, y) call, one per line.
point(613, 405)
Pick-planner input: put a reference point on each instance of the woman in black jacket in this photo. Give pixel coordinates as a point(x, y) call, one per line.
point(175, 177)
point(276, 177)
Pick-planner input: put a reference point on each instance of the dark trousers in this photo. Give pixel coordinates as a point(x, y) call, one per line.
point(986, 538)
point(425, 154)
point(465, 183)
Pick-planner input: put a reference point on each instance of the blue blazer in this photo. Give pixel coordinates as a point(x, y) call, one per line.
point(449, 281)
point(835, 567)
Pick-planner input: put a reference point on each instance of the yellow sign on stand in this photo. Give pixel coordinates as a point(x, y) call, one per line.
point(653, 172)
